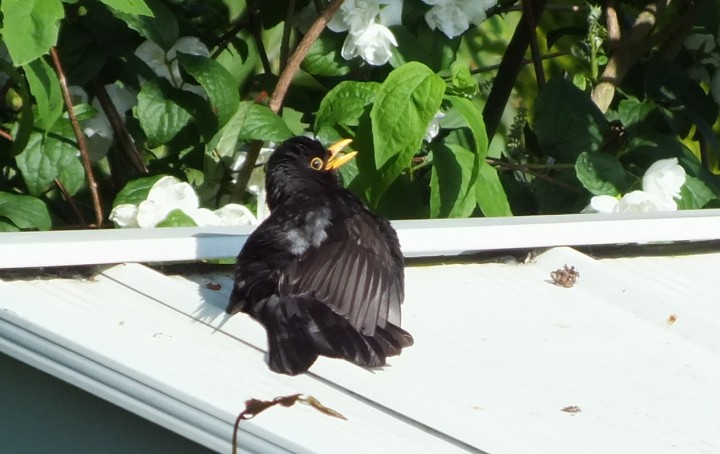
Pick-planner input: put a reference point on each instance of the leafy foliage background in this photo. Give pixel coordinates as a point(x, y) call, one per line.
point(546, 104)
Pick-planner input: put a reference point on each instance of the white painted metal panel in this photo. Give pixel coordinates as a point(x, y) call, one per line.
point(499, 353)
point(425, 238)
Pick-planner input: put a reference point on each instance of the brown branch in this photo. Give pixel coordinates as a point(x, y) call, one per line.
point(628, 50)
point(80, 137)
point(118, 124)
point(6, 135)
point(278, 95)
point(71, 201)
point(534, 47)
point(297, 57)
point(508, 71)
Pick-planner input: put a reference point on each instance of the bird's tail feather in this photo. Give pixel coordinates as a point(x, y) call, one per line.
point(301, 328)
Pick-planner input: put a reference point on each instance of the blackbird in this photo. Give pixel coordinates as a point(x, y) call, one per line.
point(323, 274)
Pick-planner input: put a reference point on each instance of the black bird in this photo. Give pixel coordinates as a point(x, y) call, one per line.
point(323, 274)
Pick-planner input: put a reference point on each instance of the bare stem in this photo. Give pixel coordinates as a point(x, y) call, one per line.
point(80, 137)
point(126, 141)
point(6, 135)
point(287, 30)
point(534, 48)
point(255, 26)
point(71, 201)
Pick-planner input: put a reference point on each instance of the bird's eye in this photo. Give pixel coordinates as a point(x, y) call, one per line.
point(317, 164)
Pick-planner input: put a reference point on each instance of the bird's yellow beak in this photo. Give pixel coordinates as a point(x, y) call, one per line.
point(336, 159)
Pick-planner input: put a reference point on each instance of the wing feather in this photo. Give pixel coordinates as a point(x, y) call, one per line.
point(357, 271)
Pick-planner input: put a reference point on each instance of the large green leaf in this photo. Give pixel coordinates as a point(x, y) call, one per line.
point(47, 157)
point(46, 90)
point(474, 120)
point(136, 191)
point(694, 194)
point(405, 104)
point(344, 104)
point(601, 174)
point(452, 193)
point(217, 82)
point(161, 28)
point(30, 27)
point(160, 116)
point(130, 6)
point(24, 212)
point(257, 122)
point(490, 193)
point(567, 122)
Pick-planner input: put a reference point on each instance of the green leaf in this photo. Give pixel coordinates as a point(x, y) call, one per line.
point(160, 116)
point(7, 226)
point(48, 157)
point(46, 90)
point(257, 122)
point(452, 193)
point(30, 27)
point(405, 104)
point(217, 82)
point(601, 174)
point(24, 212)
point(324, 59)
point(177, 218)
point(474, 120)
point(161, 28)
point(344, 104)
point(694, 194)
point(490, 193)
point(567, 122)
point(136, 191)
point(130, 6)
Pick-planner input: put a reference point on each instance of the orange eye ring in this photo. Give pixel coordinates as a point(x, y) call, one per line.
point(317, 164)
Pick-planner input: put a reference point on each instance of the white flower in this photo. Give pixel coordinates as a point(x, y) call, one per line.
point(373, 44)
point(169, 194)
point(97, 129)
point(367, 22)
point(661, 186)
point(664, 178)
point(166, 65)
point(453, 17)
point(434, 127)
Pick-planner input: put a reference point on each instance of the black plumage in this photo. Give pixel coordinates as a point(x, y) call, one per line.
point(323, 274)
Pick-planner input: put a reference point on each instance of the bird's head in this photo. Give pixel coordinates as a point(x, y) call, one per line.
point(302, 166)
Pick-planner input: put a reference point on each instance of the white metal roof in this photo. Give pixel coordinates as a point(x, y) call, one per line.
point(502, 362)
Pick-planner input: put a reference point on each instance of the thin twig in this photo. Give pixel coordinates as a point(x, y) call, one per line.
point(526, 169)
point(524, 61)
point(283, 84)
point(6, 135)
point(287, 30)
point(71, 201)
point(226, 37)
point(522, 167)
point(534, 48)
point(255, 26)
point(126, 141)
point(508, 71)
point(80, 137)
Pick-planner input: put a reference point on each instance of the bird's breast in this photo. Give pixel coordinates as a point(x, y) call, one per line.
point(311, 232)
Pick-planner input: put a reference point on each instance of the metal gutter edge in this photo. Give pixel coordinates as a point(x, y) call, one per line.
point(34, 347)
point(419, 238)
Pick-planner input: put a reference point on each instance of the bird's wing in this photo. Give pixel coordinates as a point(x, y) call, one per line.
point(357, 271)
